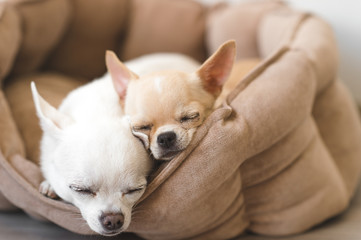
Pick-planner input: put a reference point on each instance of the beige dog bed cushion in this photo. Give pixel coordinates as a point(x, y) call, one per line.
point(280, 156)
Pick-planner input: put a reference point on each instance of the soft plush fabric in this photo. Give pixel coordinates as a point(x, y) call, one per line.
point(165, 26)
point(94, 28)
point(237, 23)
point(280, 156)
point(43, 25)
point(10, 38)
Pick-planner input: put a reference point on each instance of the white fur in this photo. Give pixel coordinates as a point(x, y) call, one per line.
point(88, 143)
point(158, 84)
point(162, 61)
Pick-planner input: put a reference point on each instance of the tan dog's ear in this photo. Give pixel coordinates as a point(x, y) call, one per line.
point(120, 74)
point(217, 68)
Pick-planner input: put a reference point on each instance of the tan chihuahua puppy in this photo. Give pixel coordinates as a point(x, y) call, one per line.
point(166, 107)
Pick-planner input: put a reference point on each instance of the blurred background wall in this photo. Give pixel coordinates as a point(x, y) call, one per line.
point(345, 18)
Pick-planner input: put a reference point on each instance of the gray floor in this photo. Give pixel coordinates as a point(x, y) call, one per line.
point(19, 226)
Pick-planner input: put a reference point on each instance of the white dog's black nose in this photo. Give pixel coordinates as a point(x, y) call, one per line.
point(112, 221)
point(167, 139)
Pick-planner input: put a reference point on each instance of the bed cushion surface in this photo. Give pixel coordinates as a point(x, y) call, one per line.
point(280, 156)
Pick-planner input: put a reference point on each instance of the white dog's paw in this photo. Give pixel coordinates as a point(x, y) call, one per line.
point(47, 190)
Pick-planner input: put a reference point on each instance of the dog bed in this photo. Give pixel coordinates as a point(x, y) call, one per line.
point(281, 155)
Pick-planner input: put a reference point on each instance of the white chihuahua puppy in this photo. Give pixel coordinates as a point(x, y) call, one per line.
point(89, 156)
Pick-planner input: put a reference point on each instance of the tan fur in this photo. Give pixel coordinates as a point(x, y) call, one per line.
point(181, 94)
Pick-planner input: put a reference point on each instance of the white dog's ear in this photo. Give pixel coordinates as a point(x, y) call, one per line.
point(50, 118)
point(143, 138)
point(216, 69)
point(120, 74)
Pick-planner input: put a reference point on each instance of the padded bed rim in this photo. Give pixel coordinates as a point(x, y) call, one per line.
point(225, 111)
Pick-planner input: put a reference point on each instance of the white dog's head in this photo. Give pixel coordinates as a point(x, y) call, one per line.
point(98, 166)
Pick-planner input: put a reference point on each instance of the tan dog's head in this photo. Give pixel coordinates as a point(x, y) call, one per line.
point(165, 108)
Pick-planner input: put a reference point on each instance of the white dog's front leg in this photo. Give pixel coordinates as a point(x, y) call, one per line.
point(47, 190)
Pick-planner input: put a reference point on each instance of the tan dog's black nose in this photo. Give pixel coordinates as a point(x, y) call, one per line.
point(167, 139)
point(112, 221)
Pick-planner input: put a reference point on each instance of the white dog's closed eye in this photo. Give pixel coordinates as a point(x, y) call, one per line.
point(134, 189)
point(83, 190)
